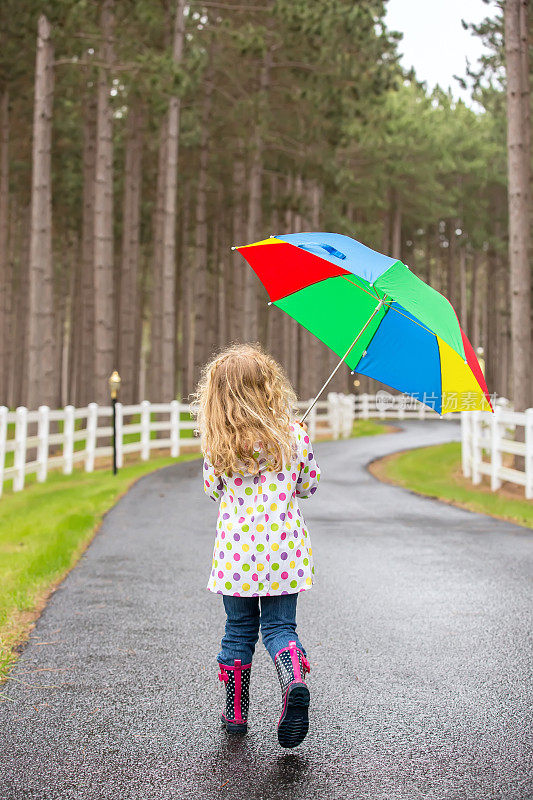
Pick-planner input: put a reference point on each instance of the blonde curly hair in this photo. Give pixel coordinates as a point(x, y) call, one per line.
point(244, 399)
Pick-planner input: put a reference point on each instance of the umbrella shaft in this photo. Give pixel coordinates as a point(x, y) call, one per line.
point(345, 356)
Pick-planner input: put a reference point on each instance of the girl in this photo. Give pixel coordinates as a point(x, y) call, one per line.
point(257, 462)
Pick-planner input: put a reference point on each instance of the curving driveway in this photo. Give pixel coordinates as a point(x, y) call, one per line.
point(418, 630)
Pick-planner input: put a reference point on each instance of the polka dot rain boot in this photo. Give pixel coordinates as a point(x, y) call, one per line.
point(292, 666)
point(237, 682)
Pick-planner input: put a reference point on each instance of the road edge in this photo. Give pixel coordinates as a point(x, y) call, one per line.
point(446, 500)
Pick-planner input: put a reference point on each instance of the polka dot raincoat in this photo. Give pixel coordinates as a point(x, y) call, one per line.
point(262, 545)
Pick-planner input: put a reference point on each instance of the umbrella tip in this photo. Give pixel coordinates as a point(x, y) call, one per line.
point(270, 302)
point(233, 247)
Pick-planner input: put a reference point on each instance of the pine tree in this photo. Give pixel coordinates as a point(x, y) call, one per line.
point(43, 383)
point(519, 157)
point(104, 329)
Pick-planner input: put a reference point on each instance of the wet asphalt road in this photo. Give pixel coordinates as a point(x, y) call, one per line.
point(418, 631)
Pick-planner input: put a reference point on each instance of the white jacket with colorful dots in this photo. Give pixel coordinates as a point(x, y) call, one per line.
point(262, 545)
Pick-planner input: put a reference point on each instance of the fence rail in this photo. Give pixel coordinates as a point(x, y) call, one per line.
point(487, 438)
point(38, 441)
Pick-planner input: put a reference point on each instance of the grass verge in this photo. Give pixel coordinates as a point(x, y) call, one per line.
point(369, 427)
point(43, 532)
point(436, 472)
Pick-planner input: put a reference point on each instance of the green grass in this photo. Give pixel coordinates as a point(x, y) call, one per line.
point(43, 531)
point(368, 427)
point(436, 472)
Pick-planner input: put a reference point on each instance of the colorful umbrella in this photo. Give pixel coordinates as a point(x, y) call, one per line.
point(375, 314)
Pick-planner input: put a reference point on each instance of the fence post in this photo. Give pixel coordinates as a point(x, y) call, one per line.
point(21, 430)
point(333, 414)
point(382, 412)
point(174, 428)
point(312, 421)
point(3, 440)
point(350, 403)
point(145, 430)
point(476, 450)
point(43, 431)
point(90, 439)
point(466, 458)
point(401, 406)
point(495, 451)
point(342, 415)
point(365, 406)
point(119, 433)
point(529, 452)
point(341, 410)
point(68, 440)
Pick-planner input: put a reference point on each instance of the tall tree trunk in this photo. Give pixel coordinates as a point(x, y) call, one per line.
point(254, 217)
point(167, 388)
point(254, 205)
point(316, 354)
point(202, 342)
point(386, 226)
point(42, 381)
point(5, 270)
point(129, 307)
point(86, 384)
point(274, 327)
point(492, 344)
point(20, 254)
point(186, 307)
point(518, 149)
point(239, 236)
point(289, 325)
point(474, 331)
point(104, 330)
point(156, 275)
point(452, 263)
point(397, 228)
point(64, 292)
point(75, 305)
point(429, 255)
point(462, 285)
point(221, 261)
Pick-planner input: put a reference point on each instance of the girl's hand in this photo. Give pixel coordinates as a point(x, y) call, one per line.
point(303, 424)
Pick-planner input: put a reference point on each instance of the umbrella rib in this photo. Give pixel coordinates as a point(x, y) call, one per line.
point(347, 353)
point(411, 319)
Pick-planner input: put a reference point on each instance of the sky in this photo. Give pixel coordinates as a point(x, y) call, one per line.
point(434, 41)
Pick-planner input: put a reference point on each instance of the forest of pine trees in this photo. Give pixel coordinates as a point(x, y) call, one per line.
point(140, 139)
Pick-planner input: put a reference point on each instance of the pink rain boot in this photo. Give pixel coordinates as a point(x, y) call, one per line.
point(292, 666)
point(237, 681)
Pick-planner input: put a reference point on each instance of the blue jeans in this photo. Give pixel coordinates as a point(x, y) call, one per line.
point(245, 615)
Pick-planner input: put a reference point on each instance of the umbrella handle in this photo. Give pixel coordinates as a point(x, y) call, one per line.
point(347, 353)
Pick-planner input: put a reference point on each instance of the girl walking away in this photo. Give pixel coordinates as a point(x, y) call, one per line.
point(258, 462)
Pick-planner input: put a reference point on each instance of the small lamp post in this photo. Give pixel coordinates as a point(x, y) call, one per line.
point(114, 388)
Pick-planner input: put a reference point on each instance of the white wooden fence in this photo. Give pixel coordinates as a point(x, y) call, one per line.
point(486, 438)
point(45, 439)
point(37, 441)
